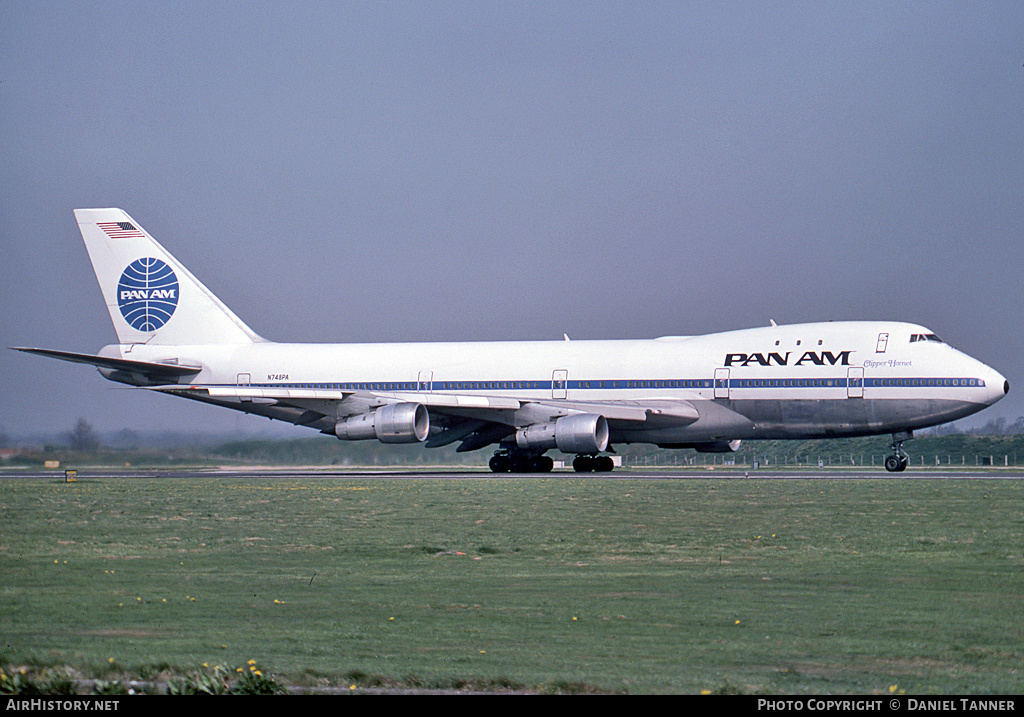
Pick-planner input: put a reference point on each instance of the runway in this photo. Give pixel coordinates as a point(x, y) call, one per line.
point(442, 473)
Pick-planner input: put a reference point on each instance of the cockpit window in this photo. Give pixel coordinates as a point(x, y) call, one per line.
point(924, 337)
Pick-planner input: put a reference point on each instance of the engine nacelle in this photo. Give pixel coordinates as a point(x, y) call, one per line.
point(580, 433)
point(718, 447)
point(393, 423)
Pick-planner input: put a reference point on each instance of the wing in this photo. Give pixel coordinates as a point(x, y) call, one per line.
point(473, 420)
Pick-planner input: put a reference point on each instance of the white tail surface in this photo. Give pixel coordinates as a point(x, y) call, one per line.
point(151, 297)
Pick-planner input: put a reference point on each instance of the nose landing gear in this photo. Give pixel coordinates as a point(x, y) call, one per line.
point(897, 463)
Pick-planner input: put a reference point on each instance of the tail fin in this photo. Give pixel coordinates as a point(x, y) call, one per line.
point(151, 297)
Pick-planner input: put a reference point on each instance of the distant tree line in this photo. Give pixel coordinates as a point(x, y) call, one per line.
point(999, 442)
point(998, 427)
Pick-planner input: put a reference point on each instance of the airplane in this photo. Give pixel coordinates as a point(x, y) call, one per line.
point(582, 398)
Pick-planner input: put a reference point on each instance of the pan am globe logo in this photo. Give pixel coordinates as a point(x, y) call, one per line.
point(147, 294)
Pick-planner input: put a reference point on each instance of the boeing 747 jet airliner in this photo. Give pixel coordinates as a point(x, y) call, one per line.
point(582, 398)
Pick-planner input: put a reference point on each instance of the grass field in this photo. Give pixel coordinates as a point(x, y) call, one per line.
point(628, 585)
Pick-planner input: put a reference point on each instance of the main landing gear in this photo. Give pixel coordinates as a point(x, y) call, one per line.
point(515, 462)
point(505, 461)
point(897, 463)
point(597, 464)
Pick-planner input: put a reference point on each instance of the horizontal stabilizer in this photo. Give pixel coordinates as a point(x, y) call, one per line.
point(147, 368)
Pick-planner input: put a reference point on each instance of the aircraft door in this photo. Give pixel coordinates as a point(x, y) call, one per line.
point(721, 383)
point(883, 342)
point(244, 379)
point(560, 383)
point(855, 383)
point(425, 381)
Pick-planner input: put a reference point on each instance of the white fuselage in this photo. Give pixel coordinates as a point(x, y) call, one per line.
point(806, 380)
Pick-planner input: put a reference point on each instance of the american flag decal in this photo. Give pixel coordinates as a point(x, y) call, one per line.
point(120, 230)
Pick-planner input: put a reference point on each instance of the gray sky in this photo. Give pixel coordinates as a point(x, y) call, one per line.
point(407, 171)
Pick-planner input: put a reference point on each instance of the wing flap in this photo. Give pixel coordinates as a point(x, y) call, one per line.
point(457, 400)
point(282, 394)
point(430, 400)
point(674, 411)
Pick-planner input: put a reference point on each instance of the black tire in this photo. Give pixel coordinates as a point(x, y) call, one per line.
point(542, 464)
point(583, 464)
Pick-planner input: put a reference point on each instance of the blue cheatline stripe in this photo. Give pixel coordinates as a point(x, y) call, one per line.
point(599, 384)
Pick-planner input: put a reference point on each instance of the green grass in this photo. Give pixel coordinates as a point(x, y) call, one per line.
point(642, 586)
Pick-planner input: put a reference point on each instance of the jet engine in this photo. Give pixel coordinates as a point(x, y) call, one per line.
point(393, 423)
point(717, 447)
point(580, 433)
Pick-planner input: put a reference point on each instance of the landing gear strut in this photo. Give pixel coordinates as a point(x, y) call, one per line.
point(897, 463)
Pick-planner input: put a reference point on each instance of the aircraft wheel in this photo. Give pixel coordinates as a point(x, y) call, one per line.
point(542, 464)
point(896, 464)
point(583, 464)
point(499, 463)
point(520, 464)
point(601, 464)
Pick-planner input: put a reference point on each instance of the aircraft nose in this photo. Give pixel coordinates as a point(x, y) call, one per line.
point(996, 385)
